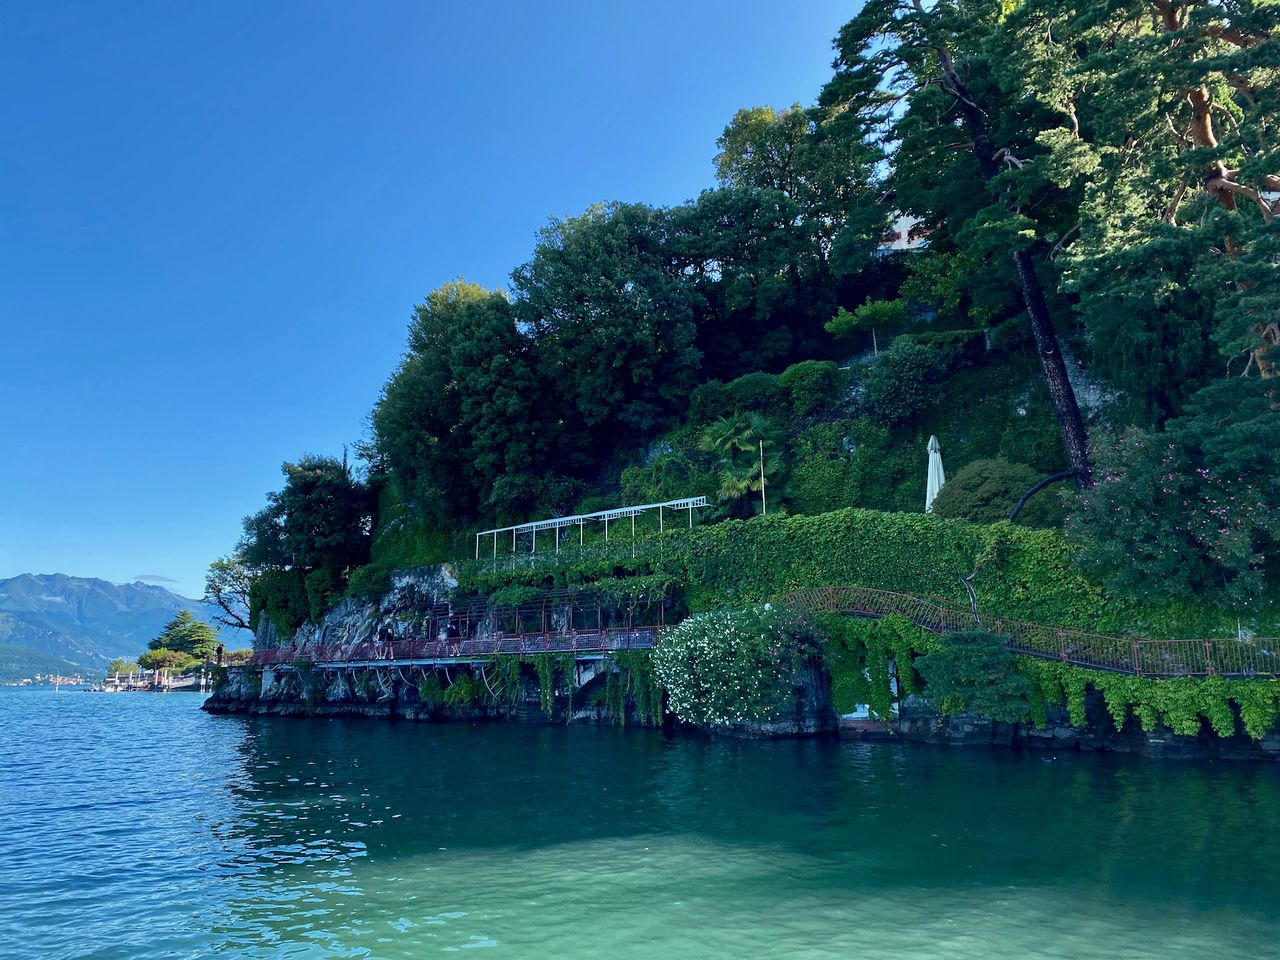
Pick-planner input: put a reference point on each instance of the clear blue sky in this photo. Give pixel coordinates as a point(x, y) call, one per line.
point(215, 219)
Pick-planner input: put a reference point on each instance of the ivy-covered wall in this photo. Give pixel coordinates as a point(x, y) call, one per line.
point(1022, 573)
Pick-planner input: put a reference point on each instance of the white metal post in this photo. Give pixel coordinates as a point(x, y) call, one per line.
point(764, 505)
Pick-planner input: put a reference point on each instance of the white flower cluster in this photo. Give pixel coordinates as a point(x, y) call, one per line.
point(727, 667)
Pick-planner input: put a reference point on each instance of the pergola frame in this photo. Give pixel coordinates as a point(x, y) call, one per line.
point(581, 520)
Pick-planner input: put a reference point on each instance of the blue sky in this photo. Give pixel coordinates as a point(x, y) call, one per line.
point(215, 220)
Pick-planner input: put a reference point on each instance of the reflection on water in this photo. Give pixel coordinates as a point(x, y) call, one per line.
point(137, 826)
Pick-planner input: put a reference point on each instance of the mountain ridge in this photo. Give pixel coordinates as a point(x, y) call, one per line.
point(87, 620)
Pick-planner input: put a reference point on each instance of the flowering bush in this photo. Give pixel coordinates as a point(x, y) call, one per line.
point(1159, 524)
point(732, 666)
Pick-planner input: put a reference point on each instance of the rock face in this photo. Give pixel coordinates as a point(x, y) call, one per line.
point(299, 689)
point(810, 711)
point(411, 598)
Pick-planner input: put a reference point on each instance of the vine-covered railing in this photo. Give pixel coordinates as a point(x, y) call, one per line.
point(1135, 655)
point(552, 624)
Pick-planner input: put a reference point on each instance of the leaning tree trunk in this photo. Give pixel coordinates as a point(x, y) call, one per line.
point(1065, 407)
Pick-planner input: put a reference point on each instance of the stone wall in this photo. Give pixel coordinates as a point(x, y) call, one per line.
point(919, 721)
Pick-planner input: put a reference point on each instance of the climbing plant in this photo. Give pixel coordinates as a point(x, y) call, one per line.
point(857, 654)
point(430, 691)
point(634, 678)
point(464, 691)
point(1181, 704)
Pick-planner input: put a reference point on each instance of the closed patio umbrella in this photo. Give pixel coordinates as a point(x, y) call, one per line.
point(936, 475)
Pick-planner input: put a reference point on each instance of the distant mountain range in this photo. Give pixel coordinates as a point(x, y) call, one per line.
point(84, 622)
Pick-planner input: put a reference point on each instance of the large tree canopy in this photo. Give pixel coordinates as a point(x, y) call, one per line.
point(921, 78)
point(465, 410)
point(319, 520)
point(186, 635)
point(613, 318)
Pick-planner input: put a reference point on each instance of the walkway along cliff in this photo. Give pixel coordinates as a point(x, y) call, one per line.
point(580, 654)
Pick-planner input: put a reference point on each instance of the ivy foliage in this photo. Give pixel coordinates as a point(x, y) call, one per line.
point(1021, 573)
point(858, 654)
point(1181, 704)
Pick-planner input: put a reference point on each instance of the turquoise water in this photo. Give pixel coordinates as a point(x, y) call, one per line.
point(134, 825)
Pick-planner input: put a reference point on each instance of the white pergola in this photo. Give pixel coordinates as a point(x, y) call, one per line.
point(688, 504)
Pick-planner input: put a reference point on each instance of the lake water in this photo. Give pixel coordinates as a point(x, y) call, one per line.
point(136, 826)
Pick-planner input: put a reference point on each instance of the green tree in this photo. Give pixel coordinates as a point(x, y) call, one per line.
point(186, 635)
point(763, 287)
point(122, 667)
point(320, 518)
point(739, 444)
point(900, 384)
point(614, 322)
point(921, 78)
point(823, 163)
point(876, 314)
point(975, 673)
point(1159, 116)
point(226, 586)
point(163, 659)
point(463, 423)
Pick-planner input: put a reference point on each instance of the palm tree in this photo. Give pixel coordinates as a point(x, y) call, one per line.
point(736, 443)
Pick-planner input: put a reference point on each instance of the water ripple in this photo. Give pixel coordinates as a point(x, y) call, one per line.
point(136, 826)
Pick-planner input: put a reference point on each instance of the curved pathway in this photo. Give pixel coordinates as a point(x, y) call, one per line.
point(1132, 655)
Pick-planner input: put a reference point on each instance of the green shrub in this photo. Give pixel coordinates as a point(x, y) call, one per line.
point(813, 385)
point(976, 673)
point(757, 391)
point(464, 691)
point(900, 383)
point(707, 402)
point(280, 595)
point(953, 346)
point(985, 491)
point(430, 692)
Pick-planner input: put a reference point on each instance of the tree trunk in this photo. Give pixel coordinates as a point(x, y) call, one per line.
point(1070, 423)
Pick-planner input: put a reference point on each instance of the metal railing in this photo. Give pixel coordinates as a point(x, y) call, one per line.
point(489, 632)
point(1118, 654)
point(401, 652)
